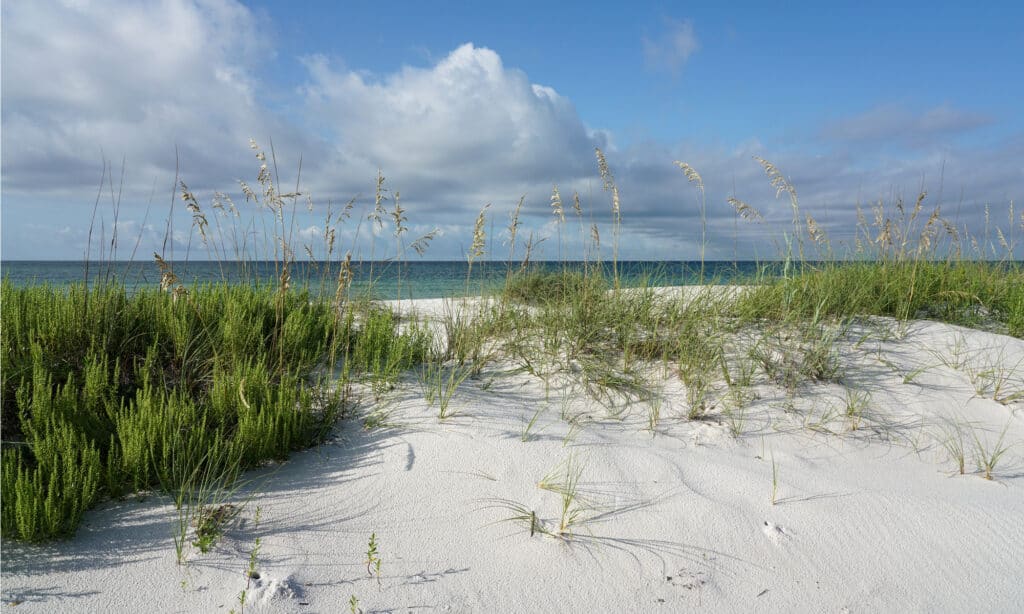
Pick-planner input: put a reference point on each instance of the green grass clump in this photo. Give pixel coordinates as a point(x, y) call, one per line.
point(968, 293)
point(106, 393)
point(537, 287)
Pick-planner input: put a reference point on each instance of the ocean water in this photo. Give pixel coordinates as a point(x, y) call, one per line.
point(383, 280)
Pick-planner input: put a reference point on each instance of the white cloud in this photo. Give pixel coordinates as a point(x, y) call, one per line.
point(108, 78)
point(672, 49)
point(462, 124)
point(135, 80)
point(896, 123)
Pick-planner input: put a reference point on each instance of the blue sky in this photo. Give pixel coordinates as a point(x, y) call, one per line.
point(463, 104)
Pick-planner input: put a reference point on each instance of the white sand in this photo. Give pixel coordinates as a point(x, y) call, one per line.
point(865, 521)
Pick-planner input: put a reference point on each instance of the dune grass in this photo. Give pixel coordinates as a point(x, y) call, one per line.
point(108, 392)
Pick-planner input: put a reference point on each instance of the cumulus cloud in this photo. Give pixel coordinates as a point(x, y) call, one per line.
point(672, 49)
point(462, 124)
point(88, 80)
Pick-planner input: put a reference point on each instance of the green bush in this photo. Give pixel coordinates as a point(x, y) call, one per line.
point(106, 393)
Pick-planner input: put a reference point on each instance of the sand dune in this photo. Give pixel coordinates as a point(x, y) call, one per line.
point(866, 519)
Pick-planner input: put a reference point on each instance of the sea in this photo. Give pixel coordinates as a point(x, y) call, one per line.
point(378, 280)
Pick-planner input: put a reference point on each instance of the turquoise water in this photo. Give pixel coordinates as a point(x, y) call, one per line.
point(415, 279)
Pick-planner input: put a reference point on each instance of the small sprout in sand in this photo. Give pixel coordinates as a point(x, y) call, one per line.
point(575, 424)
point(250, 572)
point(210, 523)
point(353, 605)
point(775, 480)
point(372, 558)
point(910, 376)
point(529, 425)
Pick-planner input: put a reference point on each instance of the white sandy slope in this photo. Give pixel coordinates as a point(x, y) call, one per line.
point(871, 520)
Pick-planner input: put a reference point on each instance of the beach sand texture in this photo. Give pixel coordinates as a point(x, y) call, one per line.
point(870, 513)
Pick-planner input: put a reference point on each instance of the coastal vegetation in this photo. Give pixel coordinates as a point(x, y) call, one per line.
point(111, 393)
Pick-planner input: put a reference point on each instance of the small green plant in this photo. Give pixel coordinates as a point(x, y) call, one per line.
point(910, 376)
point(575, 425)
point(952, 441)
point(381, 351)
point(522, 515)
point(201, 499)
point(987, 455)
point(373, 558)
point(654, 402)
point(736, 418)
point(209, 525)
point(529, 425)
point(955, 355)
point(379, 417)
point(700, 357)
point(564, 480)
point(998, 382)
point(857, 402)
point(793, 355)
point(439, 383)
point(775, 480)
point(353, 605)
point(251, 573)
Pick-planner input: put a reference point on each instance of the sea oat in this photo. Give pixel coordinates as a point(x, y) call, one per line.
point(602, 167)
point(556, 204)
point(192, 205)
point(513, 228)
point(691, 174)
point(745, 211)
point(778, 180)
point(420, 244)
point(609, 181)
point(815, 232)
point(168, 280)
point(378, 213)
point(398, 216)
point(928, 232)
point(476, 249)
point(344, 279)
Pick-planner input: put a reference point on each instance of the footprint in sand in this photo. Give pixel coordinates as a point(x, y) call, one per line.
point(265, 590)
point(776, 533)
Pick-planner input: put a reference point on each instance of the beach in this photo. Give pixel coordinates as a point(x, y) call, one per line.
point(535, 495)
